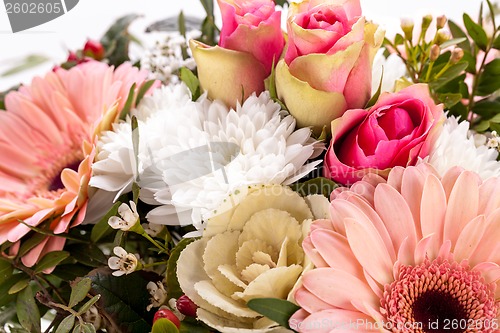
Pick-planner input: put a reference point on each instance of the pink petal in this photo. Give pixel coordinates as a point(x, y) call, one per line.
point(370, 250)
point(337, 288)
point(432, 212)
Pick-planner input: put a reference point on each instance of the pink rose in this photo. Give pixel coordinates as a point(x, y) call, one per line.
point(327, 66)
point(250, 41)
point(397, 130)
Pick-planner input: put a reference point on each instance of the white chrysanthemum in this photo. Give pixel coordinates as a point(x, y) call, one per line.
point(456, 147)
point(116, 166)
point(204, 152)
point(392, 67)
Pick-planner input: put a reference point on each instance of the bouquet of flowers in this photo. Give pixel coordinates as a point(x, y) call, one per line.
point(320, 179)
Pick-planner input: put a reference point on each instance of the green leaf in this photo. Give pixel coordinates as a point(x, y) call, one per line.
point(173, 287)
point(70, 272)
point(476, 32)
point(375, 96)
point(101, 229)
point(454, 41)
point(208, 5)
point(79, 291)
point(27, 311)
point(30, 243)
point(128, 104)
point(66, 324)
point(19, 286)
point(471, 68)
point(319, 185)
point(84, 328)
point(281, 2)
point(449, 100)
point(164, 325)
point(25, 64)
point(123, 299)
point(88, 254)
point(496, 43)
point(399, 40)
point(278, 310)
point(487, 109)
point(489, 81)
point(191, 82)
point(457, 32)
point(492, 13)
point(143, 90)
point(85, 307)
point(5, 285)
point(116, 40)
point(50, 260)
point(6, 269)
point(452, 72)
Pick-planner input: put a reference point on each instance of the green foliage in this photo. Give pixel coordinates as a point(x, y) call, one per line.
point(117, 39)
point(79, 291)
point(66, 324)
point(319, 185)
point(27, 311)
point(191, 82)
point(25, 64)
point(50, 260)
point(123, 299)
point(173, 287)
point(278, 310)
point(163, 325)
point(102, 229)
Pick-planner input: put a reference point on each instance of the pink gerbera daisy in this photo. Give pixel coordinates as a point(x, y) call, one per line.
point(47, 147)
point(413, 253)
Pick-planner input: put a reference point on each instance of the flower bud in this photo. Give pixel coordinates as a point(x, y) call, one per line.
point(435, 52)
point(441, 21)
point(456, 55)
point(93, 49)
point(442, 36)
point(407, 27)
point(426, 22)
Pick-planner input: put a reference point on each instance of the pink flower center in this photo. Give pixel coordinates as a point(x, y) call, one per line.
point(438, 297)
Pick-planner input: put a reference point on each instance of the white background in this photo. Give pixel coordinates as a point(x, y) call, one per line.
point(91, 18)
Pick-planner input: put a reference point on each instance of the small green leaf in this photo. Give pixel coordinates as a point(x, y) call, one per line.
point(375, 96)
point(101, 229)
point(66, 324)
point(457, 32)
point(191, 81)
point(489, 81)
point(174, 289)
point(278, 310)
point(487, 109)
point(6, 269)
point(136, 190)
point(30, 243)
point(88, 254)
point(25, 64)
point(451, 73)
point(319, 185)
point(84, 328)
point(50, 260)
point(449, 99)
point(482, 126)
point(399, 40)
point(454, 41)
point(27, 311)
point(20, 285)
point(5, 285)
point(164, 325)
point(496, 43)
point(143, 90)
point(476, 32)
point(128, 104)
point(85, 307)
point(187, 327)
point(79, 291)
point(116, 40)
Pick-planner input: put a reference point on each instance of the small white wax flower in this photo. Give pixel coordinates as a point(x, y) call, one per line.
point(129, 217)
point(124, 262)
point(153, 229)
point(158, 294)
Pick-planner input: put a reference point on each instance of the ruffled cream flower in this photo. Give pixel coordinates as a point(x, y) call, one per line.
point(251, 250)
point(457, 147)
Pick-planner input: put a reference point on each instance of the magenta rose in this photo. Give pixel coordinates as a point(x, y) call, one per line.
point(328, 63)
point(396, 131)
point(251, 39)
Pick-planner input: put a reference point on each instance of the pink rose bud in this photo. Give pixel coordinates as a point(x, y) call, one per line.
point(327, 66)
point(396, 131)
point(73, 57)
point(250, 41)
point(93, 49)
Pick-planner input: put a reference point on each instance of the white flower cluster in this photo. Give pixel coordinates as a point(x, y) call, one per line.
point(167, 56)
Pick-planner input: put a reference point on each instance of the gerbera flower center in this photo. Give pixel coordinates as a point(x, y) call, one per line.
point(57, 183)
point(437, 297)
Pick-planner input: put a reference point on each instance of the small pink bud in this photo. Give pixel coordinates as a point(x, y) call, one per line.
point(186, 306)
point(93, 49)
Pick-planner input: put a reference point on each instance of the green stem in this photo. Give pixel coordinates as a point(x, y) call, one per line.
point(155, 243)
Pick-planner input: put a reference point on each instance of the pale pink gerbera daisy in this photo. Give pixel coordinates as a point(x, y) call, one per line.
point(47, 148)
point(415, 253)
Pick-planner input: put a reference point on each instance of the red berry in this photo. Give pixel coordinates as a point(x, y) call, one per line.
point(72, 57)
point(186, 306)
point(93, 49)
point(166, 313)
